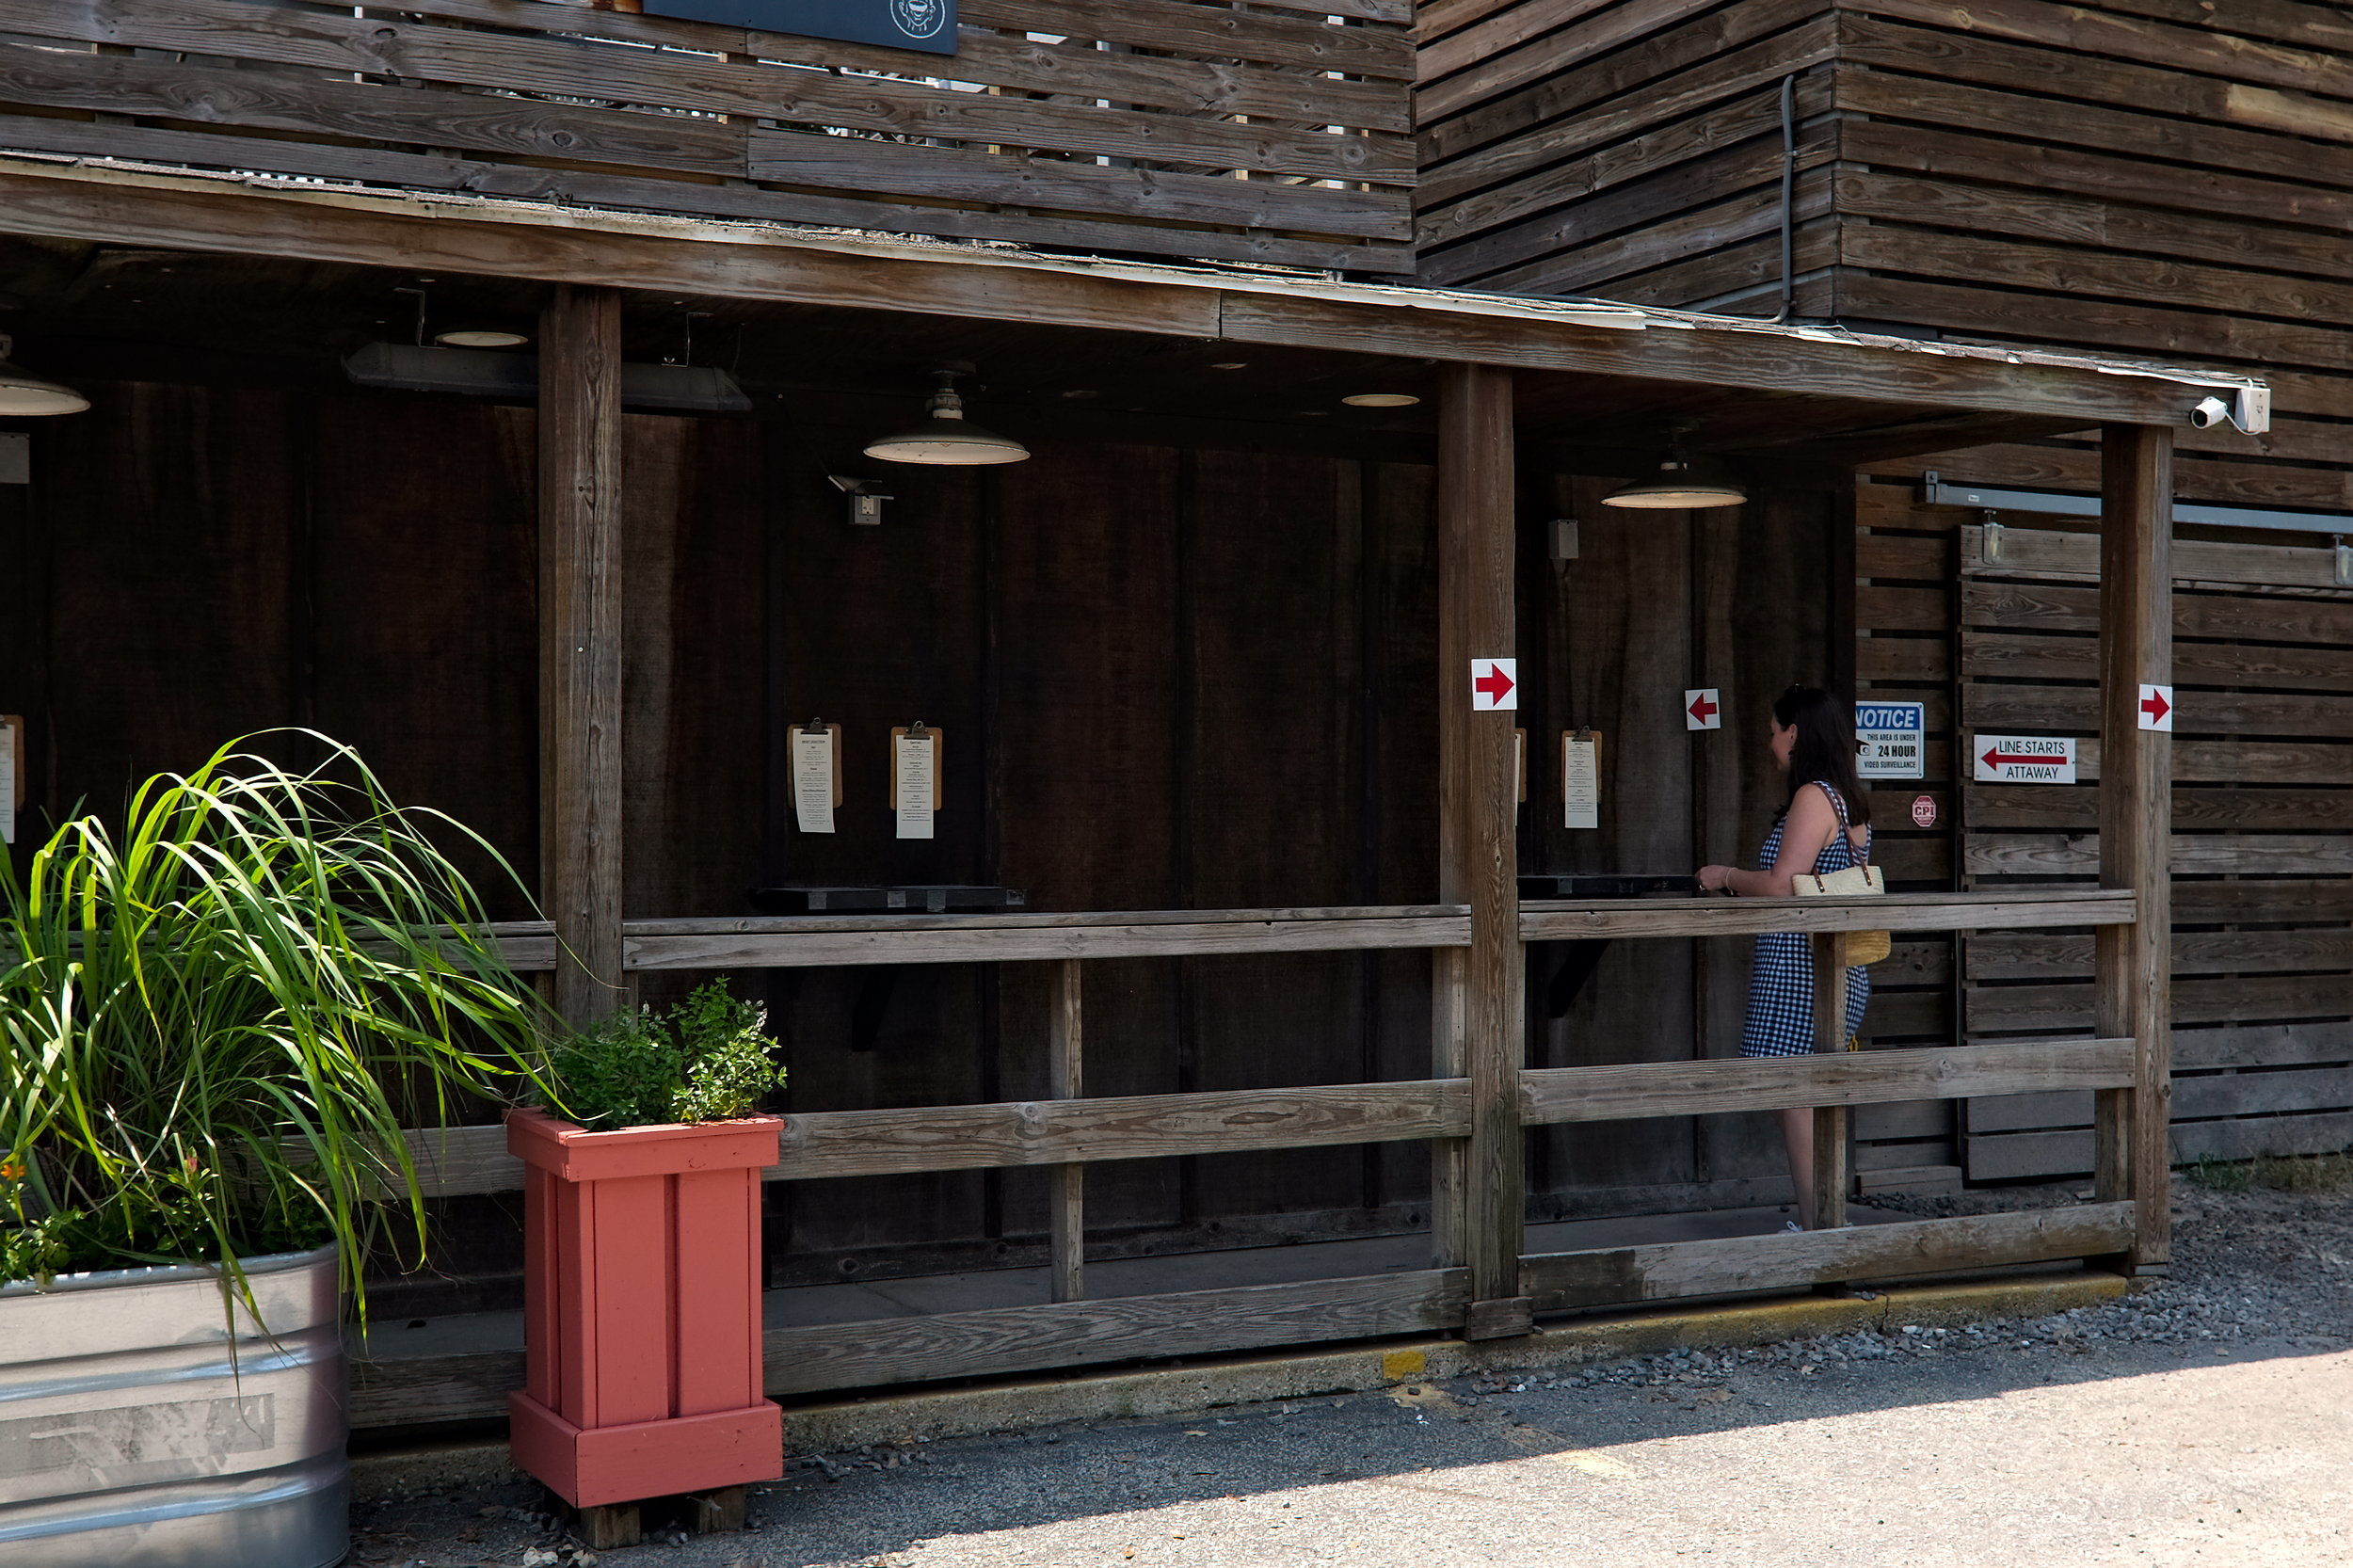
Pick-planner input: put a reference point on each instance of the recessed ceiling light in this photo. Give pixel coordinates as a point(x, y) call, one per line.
point(1231, 365)
point(472, 337)
point(1381, 400)
point(1082, 391)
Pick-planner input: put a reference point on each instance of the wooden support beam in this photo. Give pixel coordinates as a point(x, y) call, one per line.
point(579, 646)
point(1829, 1121)
point(1067, 1219)
point(2133, 964)
point(1478, 839)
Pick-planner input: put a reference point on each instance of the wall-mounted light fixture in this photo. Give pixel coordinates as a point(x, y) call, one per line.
point(27, 396)
point(947, 438)
point(865, 499)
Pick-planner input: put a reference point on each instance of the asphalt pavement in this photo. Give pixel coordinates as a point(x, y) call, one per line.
point(2205, 1422)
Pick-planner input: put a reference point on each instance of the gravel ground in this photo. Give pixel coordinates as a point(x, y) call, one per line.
point(2200, 1420)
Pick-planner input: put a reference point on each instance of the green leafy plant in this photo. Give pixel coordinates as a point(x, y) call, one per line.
point(706, 1062)
point(216, 1020)
point(621, 1073)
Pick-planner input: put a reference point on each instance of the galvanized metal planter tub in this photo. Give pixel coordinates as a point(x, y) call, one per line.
point(137, 1432)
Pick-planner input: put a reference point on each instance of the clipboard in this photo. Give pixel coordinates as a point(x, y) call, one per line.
point(11, 774)
point(917, 824)
point(814, 817)
point(1581, 778)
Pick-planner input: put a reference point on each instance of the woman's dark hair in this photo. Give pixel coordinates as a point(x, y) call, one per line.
point(1824, 750)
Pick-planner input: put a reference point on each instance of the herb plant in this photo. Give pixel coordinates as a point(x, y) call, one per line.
point(706, 1061)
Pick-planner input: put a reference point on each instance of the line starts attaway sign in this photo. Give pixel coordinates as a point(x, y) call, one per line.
point(2026, 758)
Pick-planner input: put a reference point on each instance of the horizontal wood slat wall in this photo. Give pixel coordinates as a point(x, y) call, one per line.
point(1167, 127)
point(2263, 848)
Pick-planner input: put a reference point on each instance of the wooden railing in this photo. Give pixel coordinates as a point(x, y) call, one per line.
point(1068, 1133)
point(1276, 132)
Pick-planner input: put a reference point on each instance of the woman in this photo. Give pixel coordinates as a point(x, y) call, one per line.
point(1824, 826)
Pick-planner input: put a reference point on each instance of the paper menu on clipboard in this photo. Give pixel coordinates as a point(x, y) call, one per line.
point(917, 788)
point(11, 764)
point(1581, 778)
point(816, 753)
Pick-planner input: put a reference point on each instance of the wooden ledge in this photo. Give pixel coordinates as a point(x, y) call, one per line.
point(1551, 919)
point(802, 941)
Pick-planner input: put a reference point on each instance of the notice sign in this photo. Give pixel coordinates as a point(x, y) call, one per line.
point(915, 781)
point(926, 25)
point(1702, 709)
point(2026, 758)
point(1891, 739)
point(1494, 685)
point(1580, 779)
point(816, 776)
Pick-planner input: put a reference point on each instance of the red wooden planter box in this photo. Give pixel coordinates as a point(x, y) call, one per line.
point(641, 1309)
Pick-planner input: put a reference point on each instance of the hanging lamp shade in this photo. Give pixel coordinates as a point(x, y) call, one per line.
point(947, 438)
point(23, 394)
point(1678, 485)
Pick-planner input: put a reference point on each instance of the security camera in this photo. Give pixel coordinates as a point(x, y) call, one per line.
point(2210, 412)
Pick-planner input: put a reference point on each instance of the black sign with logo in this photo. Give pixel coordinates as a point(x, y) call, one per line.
point(926, 25)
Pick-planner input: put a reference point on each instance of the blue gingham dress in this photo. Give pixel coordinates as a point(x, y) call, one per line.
point(1781, 987)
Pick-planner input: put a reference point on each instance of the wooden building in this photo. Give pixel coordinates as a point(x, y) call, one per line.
point(1202, 663)
point(2167, 180)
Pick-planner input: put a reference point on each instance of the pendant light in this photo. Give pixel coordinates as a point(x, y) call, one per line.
point(947, 437)
point(1679, 485)
point(26, 394)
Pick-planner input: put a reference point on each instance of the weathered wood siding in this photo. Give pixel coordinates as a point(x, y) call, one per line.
point(1170, 677)
point(2153, 177)
point(1269, 133)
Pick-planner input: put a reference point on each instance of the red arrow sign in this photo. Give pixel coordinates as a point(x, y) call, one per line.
point(1702, 709)
point(1494, 685)
point(1996, 758)
point(2156, 705)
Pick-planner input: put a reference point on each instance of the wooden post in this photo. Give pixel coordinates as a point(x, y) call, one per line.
point(1830, 1174)
point(2133, 963)
point(1479, 837)
point(580, 644)
point(1066, 1081)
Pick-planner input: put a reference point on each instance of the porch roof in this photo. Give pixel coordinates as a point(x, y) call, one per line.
point(873, 310)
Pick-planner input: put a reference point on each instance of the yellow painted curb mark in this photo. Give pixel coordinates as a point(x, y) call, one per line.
point(1398, 1365)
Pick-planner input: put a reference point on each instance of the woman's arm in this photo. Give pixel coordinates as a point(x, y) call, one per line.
point(1803, 840)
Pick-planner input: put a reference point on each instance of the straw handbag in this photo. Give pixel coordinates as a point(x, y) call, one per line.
point(1863, 881)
